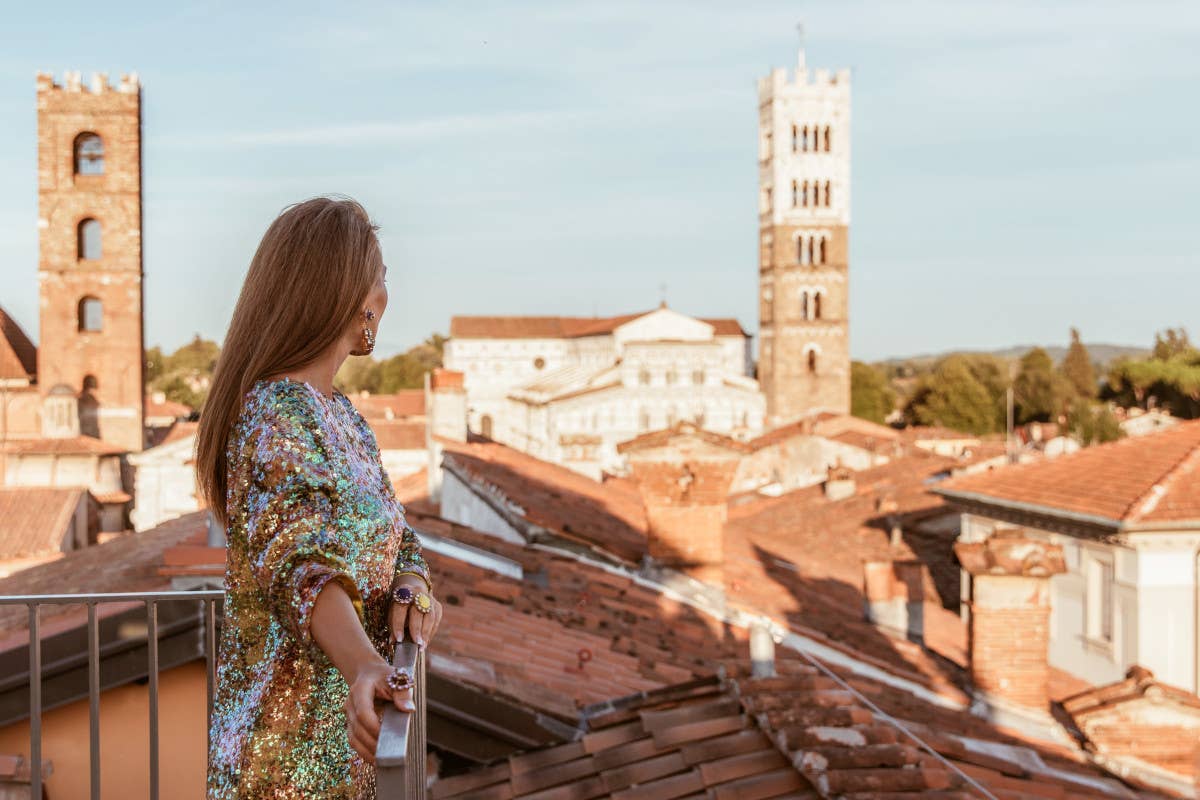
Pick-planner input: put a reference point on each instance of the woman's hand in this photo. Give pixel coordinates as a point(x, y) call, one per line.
point(368, 685)
point(421, 626)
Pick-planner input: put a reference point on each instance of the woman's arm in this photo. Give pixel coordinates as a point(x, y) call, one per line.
point(337, 631)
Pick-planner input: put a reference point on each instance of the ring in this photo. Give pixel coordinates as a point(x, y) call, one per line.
point(399, 680)
point(423, 602)
point(403, 595)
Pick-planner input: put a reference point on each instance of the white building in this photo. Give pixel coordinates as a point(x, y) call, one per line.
point(569, 389)
point(1127, 515)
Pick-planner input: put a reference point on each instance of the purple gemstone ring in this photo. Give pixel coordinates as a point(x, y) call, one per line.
point(403, 595)
point(399, 680)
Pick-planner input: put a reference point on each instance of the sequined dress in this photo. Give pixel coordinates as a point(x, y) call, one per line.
point(309, 502)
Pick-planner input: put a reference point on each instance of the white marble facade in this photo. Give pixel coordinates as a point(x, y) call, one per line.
point(571, 397)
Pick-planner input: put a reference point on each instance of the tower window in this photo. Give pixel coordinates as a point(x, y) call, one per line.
point(812, 362)
point(89, 240)
point(827, 139)
point(804, 195)
point(795, 138)
point(821, 252)
point(827, 194)
point(817, 304)
point(802, 252)
point(795, 194)
point(89, 154)
point(804, 139)
point(91, 314)
point(804, 305)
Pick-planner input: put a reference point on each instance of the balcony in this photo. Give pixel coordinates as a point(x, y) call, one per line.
point(146, 654)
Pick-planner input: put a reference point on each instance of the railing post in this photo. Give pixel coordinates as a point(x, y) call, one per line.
point(400, 752)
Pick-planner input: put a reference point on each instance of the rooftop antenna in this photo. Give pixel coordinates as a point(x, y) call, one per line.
point(800, 57)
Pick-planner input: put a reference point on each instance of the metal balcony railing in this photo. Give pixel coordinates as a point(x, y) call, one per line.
point(183, 625)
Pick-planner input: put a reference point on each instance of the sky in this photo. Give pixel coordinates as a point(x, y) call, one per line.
point(1017, 167)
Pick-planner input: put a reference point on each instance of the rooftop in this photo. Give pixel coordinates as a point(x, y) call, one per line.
point(1130, 482)
point(18, 356)
point(473, 327)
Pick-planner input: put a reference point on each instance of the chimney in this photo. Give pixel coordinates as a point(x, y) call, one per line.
point(762, 650)
point(445, 418)
point(894, 597)
point(1009, 633)
point(839, 484)
point(683, 475)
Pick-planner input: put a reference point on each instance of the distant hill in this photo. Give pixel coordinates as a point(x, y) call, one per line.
point(1101, 354)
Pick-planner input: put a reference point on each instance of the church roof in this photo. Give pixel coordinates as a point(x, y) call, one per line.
point(473, 327)
point(18, 356)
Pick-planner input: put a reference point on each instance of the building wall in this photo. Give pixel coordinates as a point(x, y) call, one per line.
point(112, 356)
point(125, 740)
point(1150, 584)
point(461, 505)
point(789, 330)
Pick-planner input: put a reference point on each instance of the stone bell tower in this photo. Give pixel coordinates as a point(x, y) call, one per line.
point(90, 252)
point(804, 219)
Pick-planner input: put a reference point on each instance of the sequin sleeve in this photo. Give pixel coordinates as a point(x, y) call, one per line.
point(292, 534)
point(409, 558)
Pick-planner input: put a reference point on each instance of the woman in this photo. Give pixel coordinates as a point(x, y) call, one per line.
point(323, 573)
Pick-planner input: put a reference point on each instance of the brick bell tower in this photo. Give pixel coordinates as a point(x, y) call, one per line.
point(90, 252)
point(804, 220)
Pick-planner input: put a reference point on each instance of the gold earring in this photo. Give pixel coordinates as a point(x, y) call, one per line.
point(368, 335)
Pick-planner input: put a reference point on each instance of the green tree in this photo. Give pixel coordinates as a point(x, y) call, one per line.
point(404, 371)
point(1039, 392)
point(1092, 423)
point(1077, 368)
point(952, 396)
point(1169, 378)
point(870, 395)
point(154, 364)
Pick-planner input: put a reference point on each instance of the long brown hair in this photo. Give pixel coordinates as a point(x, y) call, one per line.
point(306, 283)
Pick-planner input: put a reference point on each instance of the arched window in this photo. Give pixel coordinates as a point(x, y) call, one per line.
point(824, 239)
point(816, 305)
point(804, 195)
point(89, 240)
point(644, 377)
point(485, 426)
point(812, 362)
point(89, 154)
point(91, 314)
point(795, 138)
point(816, 193)
point(804, 139)
point(827, 194)
point(802, 252)
point(812, 250)
point(795, 194)
point(804, 305)
point(827, 139)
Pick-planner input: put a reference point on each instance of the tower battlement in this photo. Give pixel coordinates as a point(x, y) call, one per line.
point(781, 81)
point(99, 83)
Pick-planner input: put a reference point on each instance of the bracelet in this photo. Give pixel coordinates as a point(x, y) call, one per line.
point(428, 583)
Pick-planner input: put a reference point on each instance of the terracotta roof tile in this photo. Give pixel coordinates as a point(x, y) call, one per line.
point(155, 407)
point(475, 327)
point(34, 520)
point(1146, 479)
point(18, 356)
point(398, 434)
point(556, 498)
point(70, 446)
point(398, 405)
